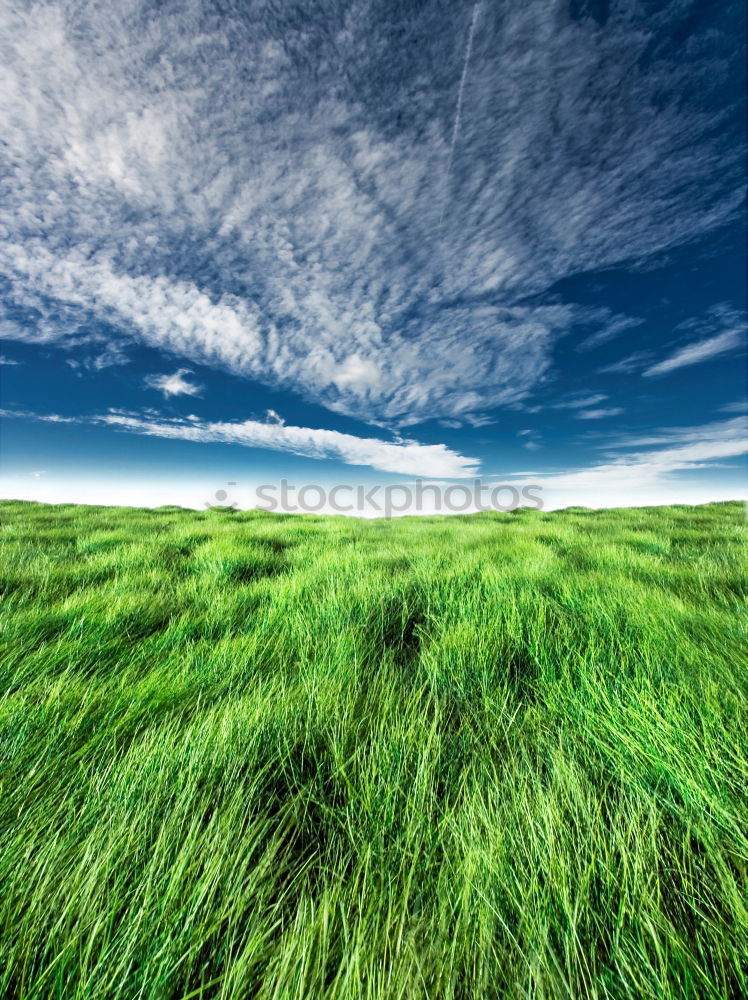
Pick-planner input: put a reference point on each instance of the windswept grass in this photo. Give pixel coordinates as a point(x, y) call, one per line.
point(249, 755)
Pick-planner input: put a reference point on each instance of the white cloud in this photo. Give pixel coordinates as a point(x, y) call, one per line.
point(8, 361)
point(405, 456)
point(355, 371)
point(608, 330)
point(626, 365)
point(657, 475)
point(49, 418)
point(611, 411)
point(722, 329)
point(579, 403)
point(689, 449)
point(173, 385)
point(739, 406)
point(529, 439)
point(202, 189)
point(678, 435)
point(404, 381)
point(702, 350)
point(112, 356)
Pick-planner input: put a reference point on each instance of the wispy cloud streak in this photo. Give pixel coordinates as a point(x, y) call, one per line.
point(688, 449)
point(702, 350)
point(404, 457)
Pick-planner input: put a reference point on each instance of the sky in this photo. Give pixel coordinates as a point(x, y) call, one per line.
point(372, 242)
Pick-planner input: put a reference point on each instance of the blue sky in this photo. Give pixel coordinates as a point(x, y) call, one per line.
point(368, 242)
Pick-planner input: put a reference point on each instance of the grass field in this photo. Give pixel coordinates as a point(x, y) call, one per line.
point(267, 756)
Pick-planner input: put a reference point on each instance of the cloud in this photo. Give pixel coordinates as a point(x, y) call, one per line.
point(615, 326)
point(49, 418)
point(404, 382)
point(112, 356)
point(732, 336)
point(530, 439)
point(676, 435)
point(611, 411)
point(8, 361)
point(700, 351)
point(579, 403)
point(688, 449)
point(626, 365)
point(264, 192)
point(356, 371)
point(173, 385)
point(721, 327)
point(404, 456)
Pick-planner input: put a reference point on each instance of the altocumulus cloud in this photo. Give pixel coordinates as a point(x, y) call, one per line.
point(276, 191)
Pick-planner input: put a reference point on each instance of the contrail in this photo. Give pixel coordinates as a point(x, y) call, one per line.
point(458, 110)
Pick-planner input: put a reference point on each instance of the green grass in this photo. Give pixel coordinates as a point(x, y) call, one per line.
point(266, 756)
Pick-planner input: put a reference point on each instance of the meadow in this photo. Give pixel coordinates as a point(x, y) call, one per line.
point(248, 755)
